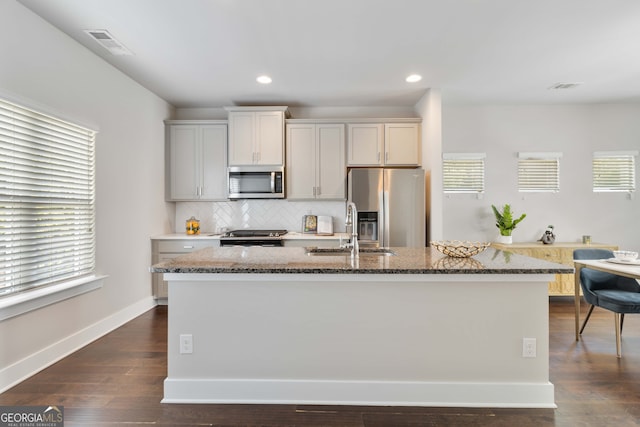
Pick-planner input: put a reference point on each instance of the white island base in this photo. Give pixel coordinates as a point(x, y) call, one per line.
point(359, 339)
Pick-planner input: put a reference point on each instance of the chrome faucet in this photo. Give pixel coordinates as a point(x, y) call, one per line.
point(352, 221)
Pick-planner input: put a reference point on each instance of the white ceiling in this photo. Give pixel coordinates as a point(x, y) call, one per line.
point(208, 53)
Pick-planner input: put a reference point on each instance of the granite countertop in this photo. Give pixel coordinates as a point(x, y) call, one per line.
point(405, 261)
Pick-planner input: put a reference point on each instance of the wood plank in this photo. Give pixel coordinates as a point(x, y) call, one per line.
point(117, 380)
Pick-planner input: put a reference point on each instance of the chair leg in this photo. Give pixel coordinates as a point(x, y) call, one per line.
point(586, 319)
point(621, 322)
point(618, 334)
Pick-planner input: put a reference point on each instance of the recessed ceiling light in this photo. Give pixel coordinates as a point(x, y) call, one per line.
point(413, 78)
point(265, 80)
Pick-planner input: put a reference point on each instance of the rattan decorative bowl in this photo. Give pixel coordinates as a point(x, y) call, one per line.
point(458, 248)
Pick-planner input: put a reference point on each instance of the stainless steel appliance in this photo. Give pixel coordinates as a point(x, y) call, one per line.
point(390, 204)
point(255, 182)
point(247, 237)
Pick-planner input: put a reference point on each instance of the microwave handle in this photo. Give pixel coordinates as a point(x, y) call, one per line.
point(273, 182)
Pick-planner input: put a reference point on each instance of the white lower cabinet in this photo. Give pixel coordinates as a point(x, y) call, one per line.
point(166, 249)
point(316, 167)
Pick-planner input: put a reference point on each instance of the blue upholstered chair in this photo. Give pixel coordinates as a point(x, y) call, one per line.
point(609, 291)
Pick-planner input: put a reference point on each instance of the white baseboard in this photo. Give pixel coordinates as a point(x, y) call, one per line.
point(34, 363)
point(381, 393)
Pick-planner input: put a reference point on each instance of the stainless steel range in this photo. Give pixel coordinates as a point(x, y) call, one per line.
point(246, 237)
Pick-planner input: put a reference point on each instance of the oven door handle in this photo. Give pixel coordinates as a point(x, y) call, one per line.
point(273, 182)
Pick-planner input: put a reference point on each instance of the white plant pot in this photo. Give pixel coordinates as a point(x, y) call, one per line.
point(507, 240)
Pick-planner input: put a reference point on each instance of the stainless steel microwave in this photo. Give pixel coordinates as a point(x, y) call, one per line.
point(256, 182)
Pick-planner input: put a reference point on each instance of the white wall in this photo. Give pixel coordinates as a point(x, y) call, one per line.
point(430, 109)
point(45, 68)
point(574, 130)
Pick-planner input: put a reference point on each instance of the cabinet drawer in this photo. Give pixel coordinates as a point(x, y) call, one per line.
point(549, 254)
point(184, 246)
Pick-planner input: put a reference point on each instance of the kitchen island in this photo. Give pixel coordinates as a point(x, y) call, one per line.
point(275, 325)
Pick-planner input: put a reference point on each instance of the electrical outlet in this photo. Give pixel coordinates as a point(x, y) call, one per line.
point(186, 344)
point(528, 347)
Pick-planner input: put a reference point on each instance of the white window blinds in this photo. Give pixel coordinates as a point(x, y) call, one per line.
point(463, 172)
point(47, 194)
point(539, 172)
point(614, 171)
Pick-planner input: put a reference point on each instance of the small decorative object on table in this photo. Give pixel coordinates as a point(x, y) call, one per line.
point(459, 249)
point(625, 256)
point(548, 237)
point(309, 224)
point(193, 226)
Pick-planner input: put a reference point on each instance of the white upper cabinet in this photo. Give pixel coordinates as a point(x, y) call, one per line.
point(331, 171)
point(315, 161)
point(301, 161)
point(196, 161)
point(389, 144)
point(256, 135)
point(401, 144)
point(366, 144)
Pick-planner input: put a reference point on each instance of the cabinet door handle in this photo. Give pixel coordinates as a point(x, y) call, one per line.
point(317, 191)
point(314, 191)
point(188, 247)
point(378, 156)
point(386, 156)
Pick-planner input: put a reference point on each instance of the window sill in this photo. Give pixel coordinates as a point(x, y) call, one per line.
point(28, 301)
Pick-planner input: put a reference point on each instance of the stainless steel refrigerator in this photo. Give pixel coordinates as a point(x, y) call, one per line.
point(391, 206)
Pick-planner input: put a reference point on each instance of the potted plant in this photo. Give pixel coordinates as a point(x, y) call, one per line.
point(505, 222)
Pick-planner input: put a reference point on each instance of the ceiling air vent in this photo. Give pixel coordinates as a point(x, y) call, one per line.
point(107, 41)
point(564, 85)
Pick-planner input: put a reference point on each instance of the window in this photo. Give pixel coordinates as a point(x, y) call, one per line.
point(463, 172)
point(47, 192)
point(539, 172)
point(614, 171)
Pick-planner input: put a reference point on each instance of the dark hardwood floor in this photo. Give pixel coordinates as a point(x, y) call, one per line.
point(117, 380)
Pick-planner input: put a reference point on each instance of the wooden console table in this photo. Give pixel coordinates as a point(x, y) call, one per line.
point(561, 253)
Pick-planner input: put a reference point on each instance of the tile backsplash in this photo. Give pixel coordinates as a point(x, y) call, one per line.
point(259, 214)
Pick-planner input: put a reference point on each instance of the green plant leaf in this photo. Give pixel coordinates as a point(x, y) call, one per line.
point(504, 220)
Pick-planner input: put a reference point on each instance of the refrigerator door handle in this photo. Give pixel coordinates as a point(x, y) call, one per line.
point(384, 201)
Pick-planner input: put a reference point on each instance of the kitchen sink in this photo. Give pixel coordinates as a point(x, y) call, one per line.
point(347, 252)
